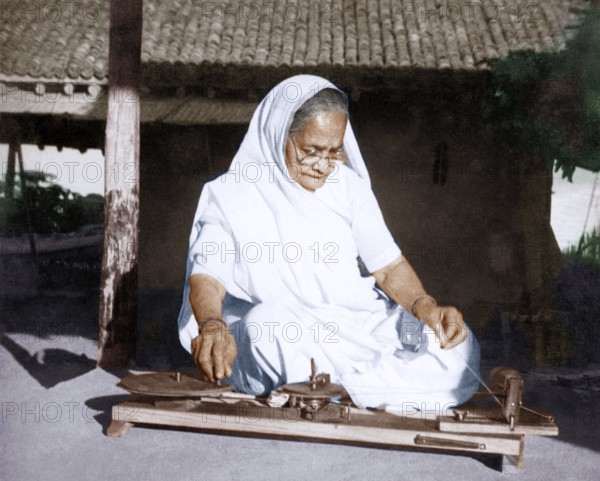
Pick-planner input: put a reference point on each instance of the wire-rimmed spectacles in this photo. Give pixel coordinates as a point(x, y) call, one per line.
point(312, 157)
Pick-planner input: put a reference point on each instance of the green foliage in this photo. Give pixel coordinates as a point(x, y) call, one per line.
point(547, 104)
point(587, 250)
point(52, 208)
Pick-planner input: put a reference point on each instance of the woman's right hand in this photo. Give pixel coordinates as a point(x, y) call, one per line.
point(214, 350)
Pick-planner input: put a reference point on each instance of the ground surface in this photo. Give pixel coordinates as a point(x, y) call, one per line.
point(56, 405)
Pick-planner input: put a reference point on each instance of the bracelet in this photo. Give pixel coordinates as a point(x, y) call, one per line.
point(417, 299)
point(221, 320)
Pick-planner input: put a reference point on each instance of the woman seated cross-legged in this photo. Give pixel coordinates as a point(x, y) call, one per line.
point(290, 259)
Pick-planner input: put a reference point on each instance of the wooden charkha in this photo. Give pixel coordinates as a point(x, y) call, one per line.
point(320, 410)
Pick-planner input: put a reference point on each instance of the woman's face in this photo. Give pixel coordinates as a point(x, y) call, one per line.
point(311, 153)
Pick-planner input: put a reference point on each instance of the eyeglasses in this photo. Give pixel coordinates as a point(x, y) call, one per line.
point(312, 157)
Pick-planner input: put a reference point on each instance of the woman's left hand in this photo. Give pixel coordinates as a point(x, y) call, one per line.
point(447, 323)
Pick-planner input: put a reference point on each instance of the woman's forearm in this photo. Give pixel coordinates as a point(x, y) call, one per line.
point(401, 283)
point(206, 297)
point(214, 349)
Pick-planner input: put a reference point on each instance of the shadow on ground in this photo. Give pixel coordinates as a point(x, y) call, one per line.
point(104, 405)
point(49, 366)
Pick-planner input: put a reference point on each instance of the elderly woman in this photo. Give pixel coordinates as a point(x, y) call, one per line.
point(276, 269)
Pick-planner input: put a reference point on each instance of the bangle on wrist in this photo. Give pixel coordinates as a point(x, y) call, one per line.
point(417, 299)
point(205, 321)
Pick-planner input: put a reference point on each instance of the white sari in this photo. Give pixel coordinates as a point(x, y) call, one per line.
point(271, 242)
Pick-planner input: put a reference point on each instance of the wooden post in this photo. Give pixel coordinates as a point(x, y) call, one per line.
point(10, 173)
point(118, 293)
point(25, 197)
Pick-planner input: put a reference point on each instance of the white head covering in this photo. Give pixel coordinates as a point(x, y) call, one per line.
point(267, 134)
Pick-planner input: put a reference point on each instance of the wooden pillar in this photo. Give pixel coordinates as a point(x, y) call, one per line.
point(118, 293)
point(25, 196)
point(10, 173)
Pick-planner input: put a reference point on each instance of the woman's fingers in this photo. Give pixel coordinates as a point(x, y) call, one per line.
point(438, 325)
point(230, 355)
point(450, 333)
point(439, 334)
point(204, 359)
point(218, 348)
point(455, 330)
point(196, 352)
point(196, 347)
point(448, 326)
point(214, 351)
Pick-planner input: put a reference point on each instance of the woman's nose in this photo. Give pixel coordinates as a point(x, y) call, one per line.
point(323, 165)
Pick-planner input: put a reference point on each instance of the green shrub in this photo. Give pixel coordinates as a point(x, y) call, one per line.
point(547, 104)
point(587, 249)
point(52, 208)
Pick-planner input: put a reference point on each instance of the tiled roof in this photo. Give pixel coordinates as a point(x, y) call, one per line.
point(68, 41)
